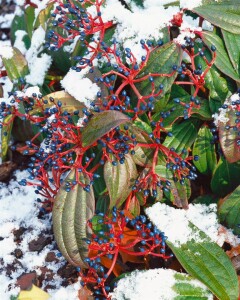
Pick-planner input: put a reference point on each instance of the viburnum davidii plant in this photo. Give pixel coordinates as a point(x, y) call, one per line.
point(121, 104)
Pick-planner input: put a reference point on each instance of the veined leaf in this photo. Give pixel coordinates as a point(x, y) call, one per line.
point(205, 150)
point(16, 66)
point(100, 124)
point(225, 177)
point(229, 137)
point(224, 15)
point(184, 135)
point(222, 61)
point(229, 210)
point(207, 262)
point(71, 211)
point(161, 61)
point(232, 42)
point(119, 180)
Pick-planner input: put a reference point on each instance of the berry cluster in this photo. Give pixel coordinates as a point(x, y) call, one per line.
point(118, 238)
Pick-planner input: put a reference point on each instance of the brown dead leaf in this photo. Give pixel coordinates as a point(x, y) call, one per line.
point(85, 294)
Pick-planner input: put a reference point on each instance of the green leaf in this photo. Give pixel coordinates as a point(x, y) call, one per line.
point(232, 42)
point(19, 23)
point(206, 199)
point(29, 15)
point(43, 16)
point(216, 84)
point(71, 211)
point(229, 211)
point(119, 180)
point(5, 136)
point(229, 137)
point(205, 150)
point(184, 135)
point(143, 156)
point(100, 124)
point(225, 177)
point(161, 61)
point(16, 66)
point(133, 206)
point(207, 262)
point(222, 61)
point(103, 203)
point(178, 194)
point(224, 15)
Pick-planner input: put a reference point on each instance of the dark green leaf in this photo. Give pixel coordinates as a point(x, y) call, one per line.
point(207, 262)
point(16, 66)
point(229, 211)
point(216, 84)
point(184, 135)
point(103, 202)
point(71, 211)
point(225, 177)
point(224, 15)
point(222, 61)
point(205, 199)
point(205, 150)
point(161, 61)
point(232, 42)
point(100, 124)
point(119, 180)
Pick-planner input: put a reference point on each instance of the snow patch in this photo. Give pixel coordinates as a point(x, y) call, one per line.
point(6, 52)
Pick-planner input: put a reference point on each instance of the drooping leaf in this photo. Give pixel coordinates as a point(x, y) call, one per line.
point(71, 211)
point(5, 136)
point(222, 61)
point(232, 42)
point(229, 211)
point(205, 150)
point(225, 177)
point(229, 137)
point(161, 61)
point(100, 124)
point(119, 180)
point(184, 135)
point(207, 262)
point(34, 294)
point(16, 66)
point(224, 15)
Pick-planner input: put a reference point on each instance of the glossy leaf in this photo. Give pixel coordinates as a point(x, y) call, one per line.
point(207, 262)
point(119, 180)
point(222, 61)
point(205, 150)
point(232, 43)
point(161, 61)
point(229, 211)
point(224, 15)
point(100, 124)
point(225, 177)
point(184, 135)
point(71, 211)
point(69, 103)
point(5, 137)
point(16, 66)
point(216, 84)
point(229, 137)
point(43, 16)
